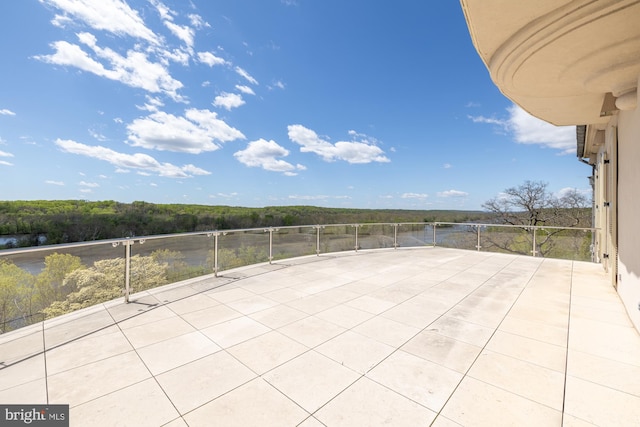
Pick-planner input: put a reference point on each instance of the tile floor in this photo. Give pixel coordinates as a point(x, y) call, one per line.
point(405, 337)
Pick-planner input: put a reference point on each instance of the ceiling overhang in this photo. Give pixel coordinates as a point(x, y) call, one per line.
point(558, 59)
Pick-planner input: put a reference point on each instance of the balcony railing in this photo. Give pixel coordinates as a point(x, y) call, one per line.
point(46, 281)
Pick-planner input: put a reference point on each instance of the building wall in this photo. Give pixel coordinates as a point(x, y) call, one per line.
point(629, 212)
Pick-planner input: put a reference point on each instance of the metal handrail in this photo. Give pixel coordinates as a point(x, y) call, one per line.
point(358, 235)
point(209, 233)
point(126, 241)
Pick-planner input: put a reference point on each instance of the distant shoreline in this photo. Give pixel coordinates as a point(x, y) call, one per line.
point(68, 221)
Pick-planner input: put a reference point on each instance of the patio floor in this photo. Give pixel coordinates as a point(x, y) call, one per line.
point(407, 337)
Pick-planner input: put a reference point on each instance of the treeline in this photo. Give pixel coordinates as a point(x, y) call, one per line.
point(31, 223)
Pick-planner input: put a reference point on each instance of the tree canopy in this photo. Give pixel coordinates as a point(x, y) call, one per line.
point(67, 221)
point(531, 203)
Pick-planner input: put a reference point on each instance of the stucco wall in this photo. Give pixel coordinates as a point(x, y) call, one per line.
point(629, 211)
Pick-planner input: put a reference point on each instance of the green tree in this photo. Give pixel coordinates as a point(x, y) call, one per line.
point(104, 281)
point(49, 286)
point(531, 204)
point(227, 259)
point(16, 286)
point(176, 266)
point(252, 255)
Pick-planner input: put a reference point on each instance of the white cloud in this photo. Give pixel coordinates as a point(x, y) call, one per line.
point(138, 161)
point(264, 154)
point(5, 112)
point(489, 120)
point(363, 137)
point(134, 70)
point(5, 154)
point(414, 196)
point(526, 129)
point(530, 130)
point(194, 170)
point(277, 85)
point(228, 100)
point(5, 163)
point(197, 21)
point(194, 133)
point(114, 16)
point(180, 55)
point(224, 195)
point(96, 135)
point(210, 59)
point(309, 197)
point(152, 105)
point(60, 183)
point(183, 32)
point(246, 75)
point(569, 190)
point(245, 89)
point(447, 166)
point(453, 193)
point(351, 152)
point(89, 184)
point(163, 10)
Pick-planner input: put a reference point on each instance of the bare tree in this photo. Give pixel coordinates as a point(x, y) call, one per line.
point(531, 205)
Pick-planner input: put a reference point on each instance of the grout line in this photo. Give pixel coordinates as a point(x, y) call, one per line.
point(566, 360)
point(44, 356)
point(117, 324)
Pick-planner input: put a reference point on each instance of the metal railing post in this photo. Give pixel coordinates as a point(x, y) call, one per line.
point(395, 236)
point(478, 245)
point(356, 226)
point(127, 268)
point(434, 233)
point(534, 252)
point(270, 230)
point(215, 254)
point(215, 251)
point(317, 227)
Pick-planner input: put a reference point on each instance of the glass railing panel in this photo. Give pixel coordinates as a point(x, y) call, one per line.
point(574, 244)
point(242, 247)
point(46, 282)
point(509, 240)
point(412, 235)
point(291, 242)
point(337, 238)
point(459, 236)
point(159, 260)
point(376, 236)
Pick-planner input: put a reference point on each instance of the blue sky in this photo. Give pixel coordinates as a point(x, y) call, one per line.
point(359, 103)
